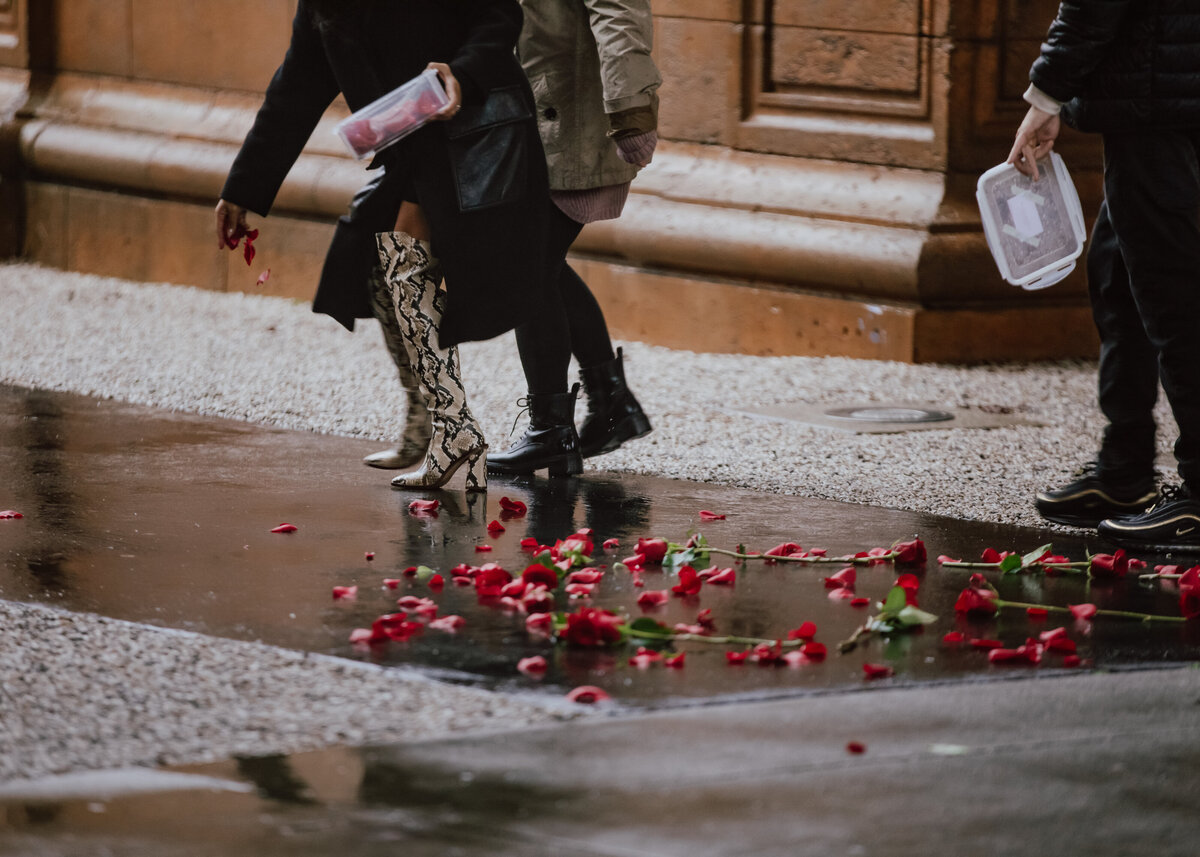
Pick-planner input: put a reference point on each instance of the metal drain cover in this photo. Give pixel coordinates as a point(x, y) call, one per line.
point(885, 414)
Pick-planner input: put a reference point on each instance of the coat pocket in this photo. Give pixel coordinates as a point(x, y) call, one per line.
point(489, 149)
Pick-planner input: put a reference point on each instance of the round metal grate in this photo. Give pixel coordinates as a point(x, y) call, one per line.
point(886, 414)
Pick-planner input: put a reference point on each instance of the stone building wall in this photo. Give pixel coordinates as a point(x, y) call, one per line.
point(814, 193)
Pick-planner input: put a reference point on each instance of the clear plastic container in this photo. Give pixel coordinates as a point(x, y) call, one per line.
point(1035, 230)
point(394, 116)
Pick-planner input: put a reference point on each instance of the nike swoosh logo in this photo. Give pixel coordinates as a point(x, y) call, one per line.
point(1184, 531)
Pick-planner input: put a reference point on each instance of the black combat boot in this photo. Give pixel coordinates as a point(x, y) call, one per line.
point(550, 442)
point(613, 414)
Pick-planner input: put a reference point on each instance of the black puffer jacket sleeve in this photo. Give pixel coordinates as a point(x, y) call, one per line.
point(487, 51)
point(1078, 41)
point(302, 88)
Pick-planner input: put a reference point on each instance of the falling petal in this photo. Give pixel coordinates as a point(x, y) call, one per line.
point(285, 528)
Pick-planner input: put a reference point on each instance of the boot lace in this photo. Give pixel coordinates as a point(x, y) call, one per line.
point(523, 404)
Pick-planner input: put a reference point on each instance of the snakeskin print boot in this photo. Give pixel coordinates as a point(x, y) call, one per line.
point(413, 276)
point(414, 441)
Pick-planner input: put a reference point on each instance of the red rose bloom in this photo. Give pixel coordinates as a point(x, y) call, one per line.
point(689, 582)
point(910, 552)
point(972, 600)
point(592, 626)
point(652, 550)
point(1110, 565)
point(539, 575)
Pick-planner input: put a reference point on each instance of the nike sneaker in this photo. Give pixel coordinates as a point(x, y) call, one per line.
point(1172, 524)
point(1092, 498)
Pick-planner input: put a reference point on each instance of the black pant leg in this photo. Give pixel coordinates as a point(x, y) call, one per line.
point(1152, 186)
point(1128, 379)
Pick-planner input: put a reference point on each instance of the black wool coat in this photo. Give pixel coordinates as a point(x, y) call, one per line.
point(480, 177)
point(1124, 65)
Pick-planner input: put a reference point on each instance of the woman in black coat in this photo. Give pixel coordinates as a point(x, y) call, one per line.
point(463, 197)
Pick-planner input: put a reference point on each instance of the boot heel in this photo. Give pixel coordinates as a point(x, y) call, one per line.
point(571, 465)
point(477, 470)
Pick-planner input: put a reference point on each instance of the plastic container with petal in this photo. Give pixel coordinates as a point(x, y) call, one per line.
point(1035, 230)
point(393, 117)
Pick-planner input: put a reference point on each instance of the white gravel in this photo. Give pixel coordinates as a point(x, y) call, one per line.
point(273, 361)
point(80, 691)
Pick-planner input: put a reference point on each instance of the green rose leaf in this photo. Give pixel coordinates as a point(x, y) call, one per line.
point(911, 617)
point(896, 601)
point(424, 572)
point(1033, 556)
point(1012, 564)
point(648, 628)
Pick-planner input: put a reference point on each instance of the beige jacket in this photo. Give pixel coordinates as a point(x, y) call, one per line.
point(593, 77)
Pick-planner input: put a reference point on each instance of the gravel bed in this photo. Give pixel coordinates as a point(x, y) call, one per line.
point(272, 361)
point(79, 691)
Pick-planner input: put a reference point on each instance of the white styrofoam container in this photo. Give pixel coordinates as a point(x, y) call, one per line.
point(393, 117)
point(1035, 230)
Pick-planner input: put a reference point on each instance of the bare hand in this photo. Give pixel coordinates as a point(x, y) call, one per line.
point(231, 223)
point(453, 91)
point(1035, 139)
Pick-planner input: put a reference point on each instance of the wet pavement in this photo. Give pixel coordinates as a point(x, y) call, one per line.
point(165, 519)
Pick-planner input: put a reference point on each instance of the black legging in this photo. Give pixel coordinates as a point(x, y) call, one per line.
point(568, 319)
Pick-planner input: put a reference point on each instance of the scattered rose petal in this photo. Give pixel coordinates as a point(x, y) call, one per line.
point(644, 658)
point(529, 543)
point(814, 651)
point(842, 593)
point(912, 552)
point(345, 593)
point(611, 544)
point(587, 695)
point(580, 590)
point(706, 515)
point(652, 598)
point(953, 638)
point(1071, 660)
point(705, 618)
point(943, 559)
point(483, 548)
point(857, 748)
point(361, 635)
point(736, 658)
point(844, 578)
point(1082, 611)
point(535, 666)
point(585, 575)
point(450, 624)
point(806, 631)
point(436, 582)
point(12, 515)
point(591, 626)
point(495, 528)
point(1037, 612)
point(541, 624)
point(513, 508)
point(675, 661)
point(874, 671)
point(859, 602)
point(263, 277)
point(722, 577)
point(1061, 644)
point(1053, 634)
point(285, 528)
point(391, 582)
point(973, 600)
point(424, 508)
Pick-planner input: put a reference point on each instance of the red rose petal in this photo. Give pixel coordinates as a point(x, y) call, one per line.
point(391, 582)
point(874, 671)
point(856, 747)
point(652, 598)
point(10, 515)
point(814, 651)
point(513, 508)
point(675, 661)
point(535, 666)
point(1037, 612)
point(450, 624)
point(345, 593)
point(987, 644)
point(1082, 611)
point(859, 602)
point(706, 515)
point(483, 548)
point(723, 577)
point(587, 695)
point(495, 528)
point(529, 543)
point(285, 528)
point(953, 638)
point(1071, 660)
point(844, 578)
point(361, 635)
point(424, 505)
point(436, 582)
point(611, 544)
point(806, 631)
point(736, 657)
point(263, 277)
